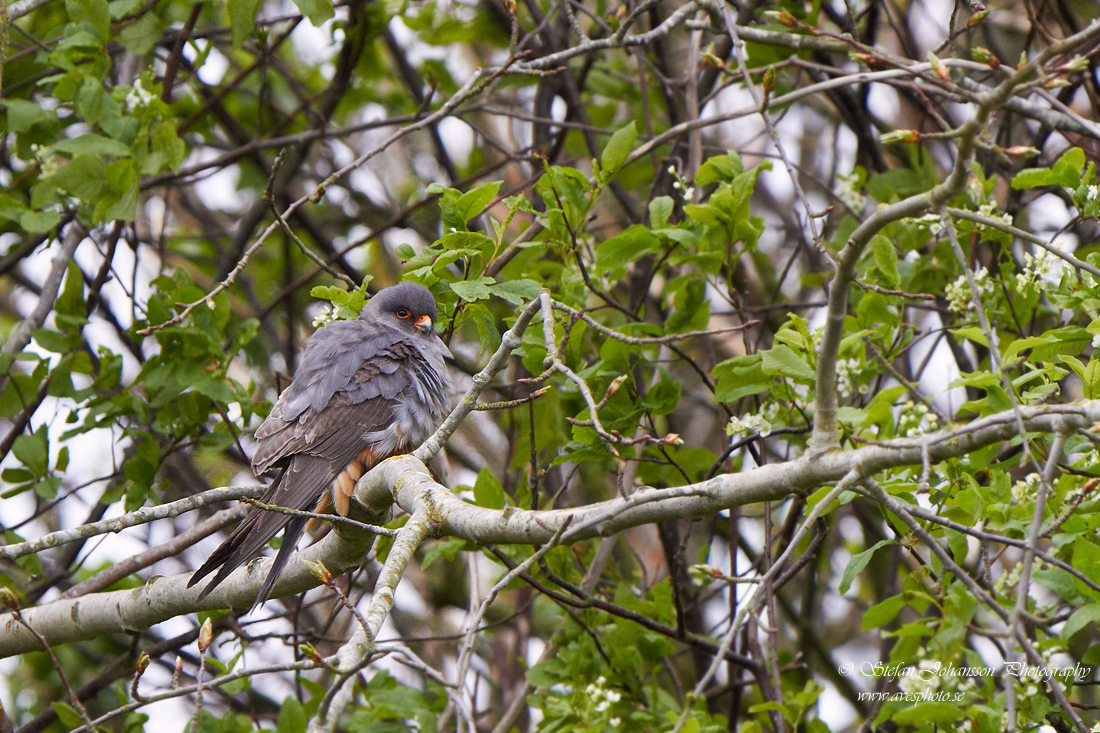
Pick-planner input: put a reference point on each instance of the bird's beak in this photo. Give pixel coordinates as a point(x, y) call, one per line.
point(424, 324)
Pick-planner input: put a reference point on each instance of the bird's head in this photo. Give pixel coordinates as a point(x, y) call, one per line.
point(406, 306)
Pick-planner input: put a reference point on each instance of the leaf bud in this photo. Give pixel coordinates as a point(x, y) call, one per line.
point(8, 598)
point(769, 80)
point(910, 137)
point(782, 17)
point(206, 635)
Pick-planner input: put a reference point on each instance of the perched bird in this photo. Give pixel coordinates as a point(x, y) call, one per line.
point(365, 390)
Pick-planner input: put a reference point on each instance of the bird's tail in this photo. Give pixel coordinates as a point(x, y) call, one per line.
point(297, 487)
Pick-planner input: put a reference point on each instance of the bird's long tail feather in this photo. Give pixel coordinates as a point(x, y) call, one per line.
point(299, 486)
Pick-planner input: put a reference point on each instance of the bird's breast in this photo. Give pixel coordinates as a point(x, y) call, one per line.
point(415, 416)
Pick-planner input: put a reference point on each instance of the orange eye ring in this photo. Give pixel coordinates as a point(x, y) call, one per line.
point(403, 313)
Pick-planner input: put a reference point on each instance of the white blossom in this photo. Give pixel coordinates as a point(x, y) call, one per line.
point(847, 377)
point(932, 222)
point(323, 318)
point(1038, 268)
point(989, 210)
point(748, 424)
point(847, 190)
point(1026, 489)
point(959, 299)
point(138, 96)
point(916, 420)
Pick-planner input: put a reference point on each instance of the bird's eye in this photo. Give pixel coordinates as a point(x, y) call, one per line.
point(403, 313)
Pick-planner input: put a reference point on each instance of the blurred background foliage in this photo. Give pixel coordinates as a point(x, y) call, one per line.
point(187, 189)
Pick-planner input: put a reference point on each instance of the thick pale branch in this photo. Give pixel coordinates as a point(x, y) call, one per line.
point(413, 488)
point(406, 480)
point(163, 598)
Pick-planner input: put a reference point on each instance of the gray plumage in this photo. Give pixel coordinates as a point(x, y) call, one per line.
point(374, 387)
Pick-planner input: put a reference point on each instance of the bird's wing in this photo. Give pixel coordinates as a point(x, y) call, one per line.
point(314, 445)
point(313, 450)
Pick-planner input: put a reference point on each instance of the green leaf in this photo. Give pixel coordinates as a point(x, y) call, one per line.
point(488, 492)
point(84, 176)
point(39, 222)
point(141, 36)
point(446, 548)
point(16, 475)
point(549, 673)
point(628, 246)
point(886, 259)
point(71, 300)
point(33, 450)
point(92, 144)
point(1068, 168)
point(1066, 172)
point(23, 115)
point(660, 210)
point(53, 341)
point(318, 11)
point(123, 8)
point(930, 713)
point(1081, 618)
point(973, 333)
point(1033, 178)
point(617, 151)
point(67, 714)
point(93, 12)
point(473, 203)
point(474, 289)
point(663, 397)
point(516, 292)
point(242, 18)
point(883, 613)
point(719, 168)
point(1086, 559)
point(782, 361)
point(740, 377)
point(857, 564)
point(292, 718)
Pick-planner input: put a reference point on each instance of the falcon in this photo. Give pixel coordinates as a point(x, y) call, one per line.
point(365, 390)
